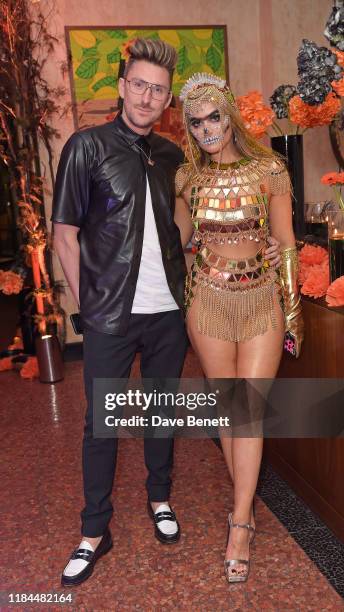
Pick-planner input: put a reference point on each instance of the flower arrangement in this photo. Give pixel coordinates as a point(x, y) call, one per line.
point(335, 293)
point(15, 359)
point(28, 370)
point(313, 271)
point(317, 281)
point(340, 56)
point(317, 68)
point(314, 276)
point(314, 101)
point(10, 282)
point(335, 180)
point(334, 29)
point(305, 116)
point(27, 105)
point(280, 99)
point(256, 115)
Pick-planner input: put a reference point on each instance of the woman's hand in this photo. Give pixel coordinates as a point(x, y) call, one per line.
point(182, 218)
point(273, 252)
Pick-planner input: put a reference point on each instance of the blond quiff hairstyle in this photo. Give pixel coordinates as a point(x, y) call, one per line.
point(155, 51)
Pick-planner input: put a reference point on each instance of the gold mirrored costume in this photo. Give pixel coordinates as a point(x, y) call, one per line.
point(229, 204)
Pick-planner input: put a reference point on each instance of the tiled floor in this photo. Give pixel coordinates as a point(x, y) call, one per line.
point(42, 494)
point(317, 541)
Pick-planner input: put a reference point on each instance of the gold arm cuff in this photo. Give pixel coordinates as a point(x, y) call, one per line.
point(291, 295)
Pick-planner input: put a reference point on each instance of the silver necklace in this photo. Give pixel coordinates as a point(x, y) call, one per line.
point(148, 157)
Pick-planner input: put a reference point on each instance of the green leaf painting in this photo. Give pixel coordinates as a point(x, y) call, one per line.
point(96, 55)
point(218, 39)
point(88, 68)
point(183, 60)
point(213, 59)
point(109, 81)
point(114, 56)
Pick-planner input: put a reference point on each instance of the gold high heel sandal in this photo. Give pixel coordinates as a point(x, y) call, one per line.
point(231, 563)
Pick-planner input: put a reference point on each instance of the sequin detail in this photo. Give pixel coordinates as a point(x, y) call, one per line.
point(230, 205)
point(236, 297)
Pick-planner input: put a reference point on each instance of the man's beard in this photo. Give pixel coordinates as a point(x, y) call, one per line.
point(141, 122)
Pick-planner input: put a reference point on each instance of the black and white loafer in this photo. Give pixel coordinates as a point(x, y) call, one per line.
point(167, 529)
point(83, 559)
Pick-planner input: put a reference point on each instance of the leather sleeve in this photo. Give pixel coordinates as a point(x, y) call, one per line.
point(71, 194)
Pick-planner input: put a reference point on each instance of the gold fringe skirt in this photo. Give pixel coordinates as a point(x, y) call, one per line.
point(235, 297)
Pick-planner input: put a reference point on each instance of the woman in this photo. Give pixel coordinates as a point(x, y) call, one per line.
point(233, 193)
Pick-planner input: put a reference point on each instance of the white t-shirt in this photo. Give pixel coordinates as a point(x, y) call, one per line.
point(152, 291)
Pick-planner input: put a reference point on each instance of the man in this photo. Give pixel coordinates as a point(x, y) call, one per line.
point(121, 253)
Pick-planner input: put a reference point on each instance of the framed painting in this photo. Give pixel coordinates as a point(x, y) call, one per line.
point(95, 54)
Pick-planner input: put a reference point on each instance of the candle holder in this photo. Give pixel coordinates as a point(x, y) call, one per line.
point(336, 243)
point(316, 215)
point(49, 359)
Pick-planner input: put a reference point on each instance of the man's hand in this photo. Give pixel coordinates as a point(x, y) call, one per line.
point(273, 252)
point(182, 218)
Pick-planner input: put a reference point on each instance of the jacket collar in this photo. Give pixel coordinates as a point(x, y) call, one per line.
point(123, 130)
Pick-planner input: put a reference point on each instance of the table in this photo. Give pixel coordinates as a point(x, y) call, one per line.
point(314, 467)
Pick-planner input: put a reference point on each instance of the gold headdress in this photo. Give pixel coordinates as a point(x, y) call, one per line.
point(202, 85)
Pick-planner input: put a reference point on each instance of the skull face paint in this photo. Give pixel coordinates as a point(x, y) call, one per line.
point(208, 99)
point(210, 127)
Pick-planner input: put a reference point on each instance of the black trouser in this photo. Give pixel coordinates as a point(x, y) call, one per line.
point(162, 339)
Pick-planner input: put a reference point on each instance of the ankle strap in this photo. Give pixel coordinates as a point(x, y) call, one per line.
point(240, 525)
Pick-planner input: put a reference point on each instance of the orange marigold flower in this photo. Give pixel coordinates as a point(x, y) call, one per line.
point(338, 86)
point(312, 255)
point(340, 177)
point(335, 293)
point(255, 114)
point(330, 178)
point(6, 364)
point(340, 56)
point(10, 282)
point(317, 281)
point(308, 116)
point(30, 368)
point(304, 270)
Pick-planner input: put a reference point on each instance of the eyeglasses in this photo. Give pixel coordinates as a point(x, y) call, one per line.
point(138, 86)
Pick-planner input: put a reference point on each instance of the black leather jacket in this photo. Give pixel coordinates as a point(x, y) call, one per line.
point(101, 188)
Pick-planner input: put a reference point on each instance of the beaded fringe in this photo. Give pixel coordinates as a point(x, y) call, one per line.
point(236, 315)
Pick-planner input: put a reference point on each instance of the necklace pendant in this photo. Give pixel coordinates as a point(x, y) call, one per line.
point(151, 162)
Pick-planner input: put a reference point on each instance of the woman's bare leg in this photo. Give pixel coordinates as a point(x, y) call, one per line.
point(218, 360)
point(256, 358)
